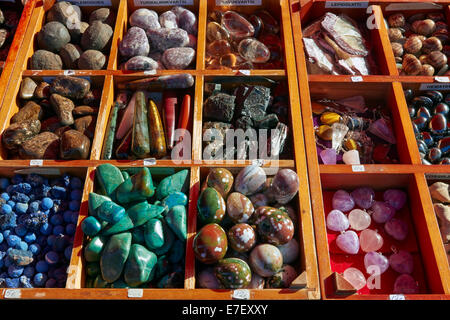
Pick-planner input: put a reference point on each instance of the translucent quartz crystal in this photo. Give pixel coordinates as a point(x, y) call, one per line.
point(402, 262)
point(218, 48)
point(405, 284)
point(254, 51)
point(370, 240)
point(397, 229)
point(348, 242)
point(395, 197)
point(337, 221)
point(343, 201)
point(382, 212)
point(375, 262)
point(237, 26)
point(339, 132)
point(215, 31)
point(359, 219)
point(364, 197)
point(355, 277)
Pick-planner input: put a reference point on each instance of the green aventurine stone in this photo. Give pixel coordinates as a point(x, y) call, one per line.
point(119, 284)
point(93, 250)
point(109, 178)
point(154, 234)
point(139, 265)
point(169, 239)
point(162, 266)
point(176, 182)
point(108, 142)
point(138, 187)
point(92, 269)
point(110, 212)
point(176, 219)
point(99, 282)
point(140, 141)
point(91, 226)
point(175, 199)
point(177, 251)
point(114, 256)
point(125, 175)
point(135, 216)
point(138, 235)
point(95, 200)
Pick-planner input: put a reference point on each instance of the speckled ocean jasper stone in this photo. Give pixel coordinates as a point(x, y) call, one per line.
point(210, 244)
point(211, 206)
point(239, 207)
point(233, 273)
point(275, 228)
point(241, 237)
point(250, 180)
point(220, 179)
point(266, 260)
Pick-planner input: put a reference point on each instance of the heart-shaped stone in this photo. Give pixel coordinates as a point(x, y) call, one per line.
point(397, 229)
point(375, 263)
point(348, 242)
point(337, 221)
point(402, 262)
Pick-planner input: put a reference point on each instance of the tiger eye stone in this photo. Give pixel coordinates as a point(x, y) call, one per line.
point(329, 118)
point(210, 244)
point(325, 132)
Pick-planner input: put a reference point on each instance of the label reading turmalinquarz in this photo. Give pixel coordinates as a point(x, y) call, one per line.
point(435, 86)
point(83, 3)
point(152, 3)
point(238, 2)
point(346, 4)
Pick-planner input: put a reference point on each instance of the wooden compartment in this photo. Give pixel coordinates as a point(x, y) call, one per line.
point(38, 20)
point(6, 67)
point(12, 102)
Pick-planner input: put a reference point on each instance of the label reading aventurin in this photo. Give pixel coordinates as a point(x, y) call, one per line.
point(238, 2)
point(163, 2)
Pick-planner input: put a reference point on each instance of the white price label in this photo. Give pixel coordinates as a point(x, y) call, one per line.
point(346, 4)
point(396, 297)
point(434, 86)
point(36, 162)
point(149, 72)
point(241, 294)
point(438, 176)
point(244, 72)
point(86, 3)
point(149, 162)
point(258, 162)
point(442, 79)
point(69, 72)
point(357, 79)
point(12, 294)
point(152, 3)
point(358, 168)
point(238, 2)
point(135, 293)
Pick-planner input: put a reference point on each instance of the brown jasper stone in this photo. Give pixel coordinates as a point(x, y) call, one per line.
point(63, 108)
point(70, 87)
point(59, 131)
point(42, 91)
point(27, 88)
point(86, 125)
point(92, 98)
point(50, 124)
point(17, 133)
point(31, 111)
point(42, 146)
point(84, 111)
point(74, 145)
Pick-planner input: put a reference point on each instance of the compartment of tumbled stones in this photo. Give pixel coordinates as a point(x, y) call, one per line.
point(53, 118)
point(246, 119)
point(9, 21)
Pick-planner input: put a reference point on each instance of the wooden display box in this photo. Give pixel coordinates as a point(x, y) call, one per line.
point(409, 174)
point(307, 286)
point(8, 65)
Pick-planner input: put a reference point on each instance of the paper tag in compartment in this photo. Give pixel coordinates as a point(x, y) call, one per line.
point(83, 3)
point(241, 294)
point(396, 297)
point(258, 162)
point(438, 176)
point(149, 162)
point(12, 294)
point(346, 4)
point(238, 2)
point(152, 3)
point(149, 72)
point(135, 293)
point(358, 168)
point(36, 162)
point(442, 79)
point(357, 79)
point(434, 86)
point(69, 72)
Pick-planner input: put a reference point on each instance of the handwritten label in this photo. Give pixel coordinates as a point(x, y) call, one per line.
point(152, 3)
point(135, 293)
point(438, 176)
point(396, 297)
point(358, 168)
point(86, 3)
point(434, 86)
point(36, 162)
point(442, 79)
point(12, 294)
point(69, 72)
point(238, 2)
point(357, 79)
point(241, 294)
point(149, 72)
point(346, 4)
point(149, 162)
point(244, 72)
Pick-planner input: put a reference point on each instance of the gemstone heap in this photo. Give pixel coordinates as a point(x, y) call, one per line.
point(9, 20)
point(246, 229)
point(440, 194)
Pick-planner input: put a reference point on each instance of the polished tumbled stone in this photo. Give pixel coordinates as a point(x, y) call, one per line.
point(176, 182)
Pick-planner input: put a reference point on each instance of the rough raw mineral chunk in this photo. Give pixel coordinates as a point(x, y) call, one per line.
point(178, 58)
point(42, 146)
point(97, 36)
point(45, 60)
point(92, 60)
point(70, 54)
point(17, 133)
point(105, 15)
point(74, 145)
point(253, 101)
point(53, 36)
point(219, 107)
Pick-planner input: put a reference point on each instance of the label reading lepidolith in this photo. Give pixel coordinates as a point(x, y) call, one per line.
point(153, 3)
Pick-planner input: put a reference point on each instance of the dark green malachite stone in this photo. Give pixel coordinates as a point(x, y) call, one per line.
point(138, 187)
point(114, 256)
point(91, 226)
point(138, 235)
